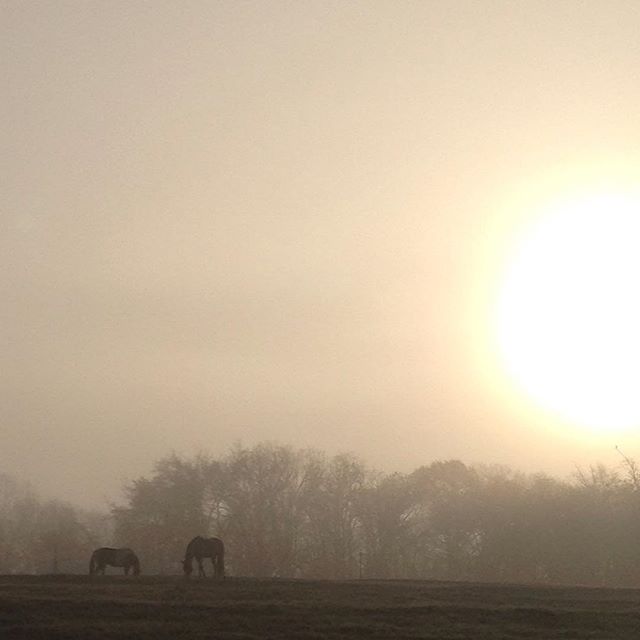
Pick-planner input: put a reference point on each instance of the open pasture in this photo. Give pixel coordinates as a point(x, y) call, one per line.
point(70, 607)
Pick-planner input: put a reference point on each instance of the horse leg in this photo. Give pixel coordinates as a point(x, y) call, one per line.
point(220, 565)
point(201, 571)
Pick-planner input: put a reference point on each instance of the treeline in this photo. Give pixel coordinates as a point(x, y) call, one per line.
point(298, 513)
point(45, 536)
point(293, 513)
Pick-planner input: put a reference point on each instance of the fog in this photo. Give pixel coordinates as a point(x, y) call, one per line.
point(243, 222)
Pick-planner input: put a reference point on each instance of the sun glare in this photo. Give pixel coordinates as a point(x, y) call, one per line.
point(568, 315)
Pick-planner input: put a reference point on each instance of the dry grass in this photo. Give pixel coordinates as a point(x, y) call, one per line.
point(73, 607)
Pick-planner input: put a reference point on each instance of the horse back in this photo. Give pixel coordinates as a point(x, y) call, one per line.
point(216, 546)
point(114, 557)
point(124, 557)
point(205, 547)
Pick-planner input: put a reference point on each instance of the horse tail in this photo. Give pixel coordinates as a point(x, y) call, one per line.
point(136, 565)
point(221, 560)
point(92, 564)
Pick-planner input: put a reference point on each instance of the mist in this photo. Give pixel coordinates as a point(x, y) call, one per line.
point(244, 222)
point(280, 512)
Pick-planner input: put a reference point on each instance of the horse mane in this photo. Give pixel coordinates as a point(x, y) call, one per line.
point(193, 542)
point(122, 557)
point(135, 563)
point(201, 547)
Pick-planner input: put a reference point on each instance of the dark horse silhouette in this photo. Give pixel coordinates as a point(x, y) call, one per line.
point(104, 556)
point(200, 548)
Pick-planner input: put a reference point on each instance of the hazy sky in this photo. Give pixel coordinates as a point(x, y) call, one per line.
point(228, 221)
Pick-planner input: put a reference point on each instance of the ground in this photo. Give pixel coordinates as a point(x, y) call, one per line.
point(74, 607)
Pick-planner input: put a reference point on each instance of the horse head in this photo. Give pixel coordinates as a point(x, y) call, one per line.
point(187, 566)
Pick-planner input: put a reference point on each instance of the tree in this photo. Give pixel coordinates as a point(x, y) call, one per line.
point(331, 498)
point(262, 506)
point(448, 495)
point(163, 513)
point(388, 512)
point(39, 536)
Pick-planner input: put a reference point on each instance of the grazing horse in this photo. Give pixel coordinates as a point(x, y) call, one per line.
point(200, 548)
point(104, 556)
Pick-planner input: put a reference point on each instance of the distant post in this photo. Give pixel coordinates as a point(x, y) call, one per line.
point(54, 568)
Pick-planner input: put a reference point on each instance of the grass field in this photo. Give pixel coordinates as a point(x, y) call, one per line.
point(34, 607)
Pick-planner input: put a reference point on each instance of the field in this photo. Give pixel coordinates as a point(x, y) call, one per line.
point(57, 607)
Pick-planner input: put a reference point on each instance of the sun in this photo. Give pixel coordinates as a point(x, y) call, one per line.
point(568, 313)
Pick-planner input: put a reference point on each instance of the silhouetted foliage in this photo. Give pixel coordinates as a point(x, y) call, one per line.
point(286, 512)
point(300, 513)
point(163, 512)
point(44, 536)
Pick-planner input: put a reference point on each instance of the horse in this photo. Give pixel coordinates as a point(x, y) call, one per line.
point(200, 548)
point(104, 556)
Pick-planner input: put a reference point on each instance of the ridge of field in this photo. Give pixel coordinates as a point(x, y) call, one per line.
point(108, 607)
